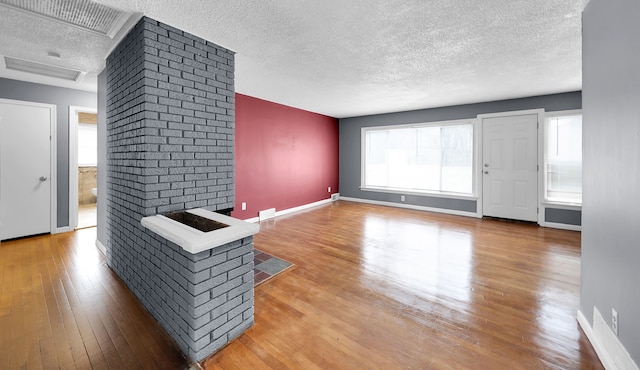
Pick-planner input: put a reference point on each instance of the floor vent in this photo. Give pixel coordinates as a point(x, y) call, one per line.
point(267, 214)
point(41, 69)
point(335, 196)
point(86, 14)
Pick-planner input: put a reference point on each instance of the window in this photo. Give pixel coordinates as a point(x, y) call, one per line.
point(87, 144)
point(563, 158)
point(429, 158)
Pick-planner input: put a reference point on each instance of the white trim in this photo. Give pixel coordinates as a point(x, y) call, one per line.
point(410, 206)
point(542, 143)
point(478, 164)
point(558, 205)
point(420, 124)
point(64, 229)
point(458, 122)
point(54, 166)
point(525, 112)
point(542, 147)
point(53, 170)
point(557, 113)
point(303, 207)
point(420, 193)
point(555, 225)
point(101, 248)
point(296, 209)
point(608, 347)
point(73, 162)
point(541, 120)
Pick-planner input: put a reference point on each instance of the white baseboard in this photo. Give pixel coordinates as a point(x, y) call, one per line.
point(410, 206)
point(610, 350)
point(101, 248)
point(64, 229)
point(554, 225)
point(294, 209)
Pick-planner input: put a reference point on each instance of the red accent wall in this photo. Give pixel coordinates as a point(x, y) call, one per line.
point(284, 157)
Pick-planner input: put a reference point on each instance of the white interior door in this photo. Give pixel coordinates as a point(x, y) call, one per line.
point(25, 171)
point(510, 167)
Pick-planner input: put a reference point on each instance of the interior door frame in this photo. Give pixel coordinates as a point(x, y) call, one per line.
point(541, 114)
point(73, 162)
point(53, 156)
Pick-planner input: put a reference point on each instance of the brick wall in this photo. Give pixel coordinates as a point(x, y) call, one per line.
point(170, 132)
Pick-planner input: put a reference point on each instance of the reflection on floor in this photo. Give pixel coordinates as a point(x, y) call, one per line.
point(87, 215)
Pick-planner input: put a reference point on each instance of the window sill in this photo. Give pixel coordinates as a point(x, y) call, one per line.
point(420, 193)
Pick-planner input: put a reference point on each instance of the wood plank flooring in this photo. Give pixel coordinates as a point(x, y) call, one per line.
point(385, 288)
point(373, 288)
point(61, 307)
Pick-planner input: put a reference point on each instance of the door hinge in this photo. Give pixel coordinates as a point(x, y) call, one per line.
point(538, 210)
point(538, 167)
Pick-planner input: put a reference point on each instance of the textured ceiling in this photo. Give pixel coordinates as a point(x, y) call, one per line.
point(348, 58)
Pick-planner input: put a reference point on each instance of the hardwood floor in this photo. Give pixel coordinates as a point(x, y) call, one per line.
point(61, 307)
point(372, 288)
point(384, 288)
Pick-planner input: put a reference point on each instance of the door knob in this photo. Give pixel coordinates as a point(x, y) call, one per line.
point(43, 178)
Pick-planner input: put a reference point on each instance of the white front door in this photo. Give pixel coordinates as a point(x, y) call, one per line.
point(25, 168)
point(510, 167)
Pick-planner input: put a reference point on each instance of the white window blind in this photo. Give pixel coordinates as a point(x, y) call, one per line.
point(433, 158)
point(563, 157)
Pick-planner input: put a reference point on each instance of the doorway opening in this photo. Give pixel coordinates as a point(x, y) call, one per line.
point(84, 147)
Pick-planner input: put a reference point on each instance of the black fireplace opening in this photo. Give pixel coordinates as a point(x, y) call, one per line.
point(197, 222)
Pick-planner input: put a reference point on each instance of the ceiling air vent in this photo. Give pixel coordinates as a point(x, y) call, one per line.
point(41, 69)
point(86, 14)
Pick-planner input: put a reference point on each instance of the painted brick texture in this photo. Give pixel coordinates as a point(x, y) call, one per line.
point(170, 133)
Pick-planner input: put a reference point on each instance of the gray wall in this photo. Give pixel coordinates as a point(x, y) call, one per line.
point(350, 145)
point(62, 98)
point(611, 162)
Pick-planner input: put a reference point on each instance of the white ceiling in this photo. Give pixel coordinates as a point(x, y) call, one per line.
point(347, 58)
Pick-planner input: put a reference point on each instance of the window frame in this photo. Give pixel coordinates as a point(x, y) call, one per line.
point(438, 194)
point(544, 199)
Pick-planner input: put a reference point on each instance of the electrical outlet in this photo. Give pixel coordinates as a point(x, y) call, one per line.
point(615, 324)
point(329, 189)
point(244, 206)
point(402, 198)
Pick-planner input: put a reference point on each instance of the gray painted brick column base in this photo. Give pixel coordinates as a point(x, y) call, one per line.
point(202, 300)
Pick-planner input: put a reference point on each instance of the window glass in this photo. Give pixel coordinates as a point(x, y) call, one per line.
point(429, 158)
point(564, 158)
point(87, 144)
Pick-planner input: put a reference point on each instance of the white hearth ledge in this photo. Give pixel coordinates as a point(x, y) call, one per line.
point(195, 241)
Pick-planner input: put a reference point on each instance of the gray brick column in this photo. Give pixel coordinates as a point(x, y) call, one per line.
point(170, 132)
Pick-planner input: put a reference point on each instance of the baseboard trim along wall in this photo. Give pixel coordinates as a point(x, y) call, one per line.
point(303, 207)
point(101, 247)
point(555, 225)
point(610, 350)
point(409, 206)
point(60, 230)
